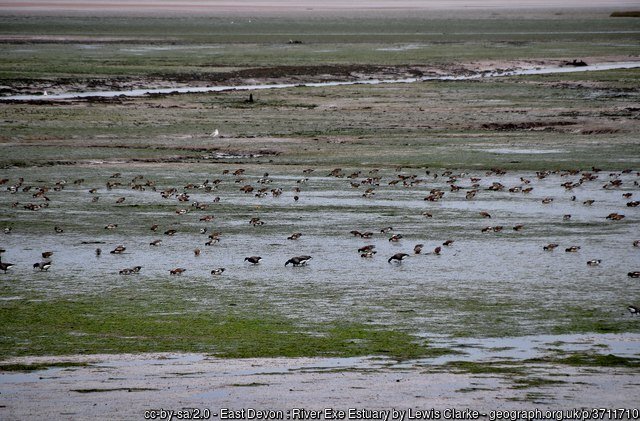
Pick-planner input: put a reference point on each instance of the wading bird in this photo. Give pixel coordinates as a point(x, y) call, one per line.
point(398, 257)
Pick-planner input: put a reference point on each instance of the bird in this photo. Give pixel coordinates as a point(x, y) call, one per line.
point(633, 310)
point(47, 254)
point(217, 271)
point(98, 252)
point(253, 259)
point(566, 217)
point(635, 274)
point(111, 226)
point(298, 260)
point(294, 236)
point(196, 252)
point(636, 243)
point(3, 265)
point(417, 249)
point(572, 249)
point(615, 216)
point(215, 133)
point(437, 250)
point(550, 247)
point(395, 238)
point(155, 243)
point(518, 227)
point(594, 262)
point(170, 232)
point(58, 229)
point(154, 227)
point(43, 266)
point(366, 249)
point(485, 214)
point(118, 250)
point(368, 254)
point(177, 271)
point(386, 230)
point(448, 243)
point(398, 257)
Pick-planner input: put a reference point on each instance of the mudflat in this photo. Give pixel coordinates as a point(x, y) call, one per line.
point(472, 232)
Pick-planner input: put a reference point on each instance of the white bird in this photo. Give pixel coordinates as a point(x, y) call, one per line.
point(215, 133)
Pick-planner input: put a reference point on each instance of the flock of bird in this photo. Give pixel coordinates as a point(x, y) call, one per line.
point(370, 182)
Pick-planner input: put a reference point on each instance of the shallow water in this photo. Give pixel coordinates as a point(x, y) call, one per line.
point(203, 89)
point(485, 284)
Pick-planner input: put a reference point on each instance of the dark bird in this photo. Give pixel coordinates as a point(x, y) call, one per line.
point(633, 310)
point(177, 271)
point(298, 260)
point(196, 252)
point(43, 266)
point(368, 254)
point(417, 249)
point(58, 229)
point(572, 249)
point(634, 274)
point(111, 226)
point(217, 271)
point(253, 259)
point(615, 216)
point(437, 250)
point(395, 238)
point(366, 249)
point(386, 230)
point(154, 227)
point(448, 243)
point(98, 252)
point(47, 254)
point(118, 250)
point(155, 243)
point(566, 217)
point(518, 227)
point(3, 265)
point(170, 232)
point(594, 262)
point(398, 257)
point(294, 236)
point(485, 214)
point(550, 247)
